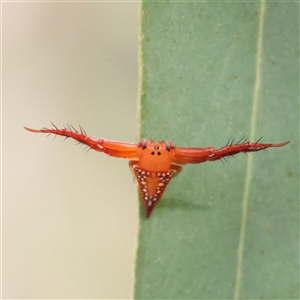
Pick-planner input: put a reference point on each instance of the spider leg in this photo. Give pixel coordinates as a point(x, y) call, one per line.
point(200, 155)
point(177, 169)
point(112, 148)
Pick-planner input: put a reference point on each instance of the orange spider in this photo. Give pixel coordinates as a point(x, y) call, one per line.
point(154, 164)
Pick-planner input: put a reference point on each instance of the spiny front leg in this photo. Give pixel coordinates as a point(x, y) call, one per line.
point(71, 132)
point(112, 148)
point(199, 155)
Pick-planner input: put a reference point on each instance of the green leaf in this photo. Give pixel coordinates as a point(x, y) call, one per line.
point(212, 71)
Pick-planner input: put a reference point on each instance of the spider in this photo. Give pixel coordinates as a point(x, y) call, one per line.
point(155, 164)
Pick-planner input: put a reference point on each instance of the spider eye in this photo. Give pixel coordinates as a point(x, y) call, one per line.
point(144, 146)
point(156, 147)
point(152, 153)
point(158, 153)
point(168, 148)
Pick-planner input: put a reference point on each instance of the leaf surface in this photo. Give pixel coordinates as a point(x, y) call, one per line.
point(212, 71)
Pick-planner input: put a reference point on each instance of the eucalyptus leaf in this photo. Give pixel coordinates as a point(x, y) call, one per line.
point(211, 71)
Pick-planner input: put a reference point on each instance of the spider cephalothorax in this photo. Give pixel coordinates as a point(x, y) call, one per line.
point(155, 156)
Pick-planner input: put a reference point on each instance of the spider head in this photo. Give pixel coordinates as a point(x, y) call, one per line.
point(155, 156)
